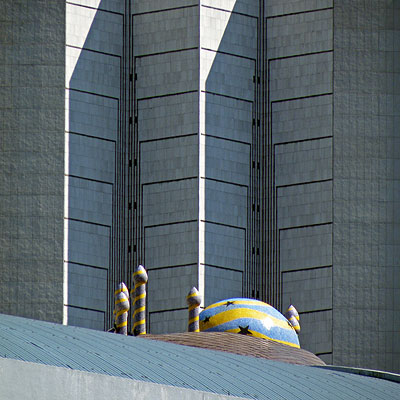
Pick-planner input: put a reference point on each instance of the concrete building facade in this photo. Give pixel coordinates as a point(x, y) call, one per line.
point(248, 148)
point(32, 76)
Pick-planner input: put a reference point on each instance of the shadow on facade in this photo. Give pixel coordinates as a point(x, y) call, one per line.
point(93, 122)
point(229, 142)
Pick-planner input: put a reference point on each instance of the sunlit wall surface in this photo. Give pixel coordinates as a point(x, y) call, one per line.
point(93, 108)
point(194, 68)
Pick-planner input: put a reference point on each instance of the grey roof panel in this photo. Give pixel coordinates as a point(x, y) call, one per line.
point(182, 366)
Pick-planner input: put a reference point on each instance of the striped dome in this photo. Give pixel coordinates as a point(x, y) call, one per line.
point(248, 317)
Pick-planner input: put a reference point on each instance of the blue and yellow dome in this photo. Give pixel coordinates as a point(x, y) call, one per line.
point(248, 317)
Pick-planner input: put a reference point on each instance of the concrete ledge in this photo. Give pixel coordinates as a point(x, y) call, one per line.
point(21, 380)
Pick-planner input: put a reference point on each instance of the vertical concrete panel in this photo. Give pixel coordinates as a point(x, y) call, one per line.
point(90, 283)
point(166, 67)
point(171, 244)
point(316, 333)
point(228, 32)
point(221, 283)
point(366, 248)
point(299, 33)
point(166, 30)
point(94, 43)
point(32, 65)
point(277, 8)
point(301, 119)
point(300, 64)
point(167, 116)
point(306, 161)
point(167, 290)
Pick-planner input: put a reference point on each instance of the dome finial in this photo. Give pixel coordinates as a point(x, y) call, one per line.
point(292, 316)
point(138, 295)
point(193, 299)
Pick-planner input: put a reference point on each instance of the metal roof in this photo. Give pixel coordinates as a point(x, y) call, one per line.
point(181, 366)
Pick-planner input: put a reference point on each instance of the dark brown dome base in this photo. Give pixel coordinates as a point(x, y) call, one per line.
point(241, 344)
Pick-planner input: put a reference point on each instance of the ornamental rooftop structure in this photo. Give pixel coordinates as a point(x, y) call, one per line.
point(51, 361)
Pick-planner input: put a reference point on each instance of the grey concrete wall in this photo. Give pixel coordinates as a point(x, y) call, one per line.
point(300, 65)
point(228, 53)
point(32, 67)
point(334, 126)
point(93, 47)
point(165, 65)
point(366, 221)
point(194, 94)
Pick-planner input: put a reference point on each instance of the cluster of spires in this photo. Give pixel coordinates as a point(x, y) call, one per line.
point(138, 300)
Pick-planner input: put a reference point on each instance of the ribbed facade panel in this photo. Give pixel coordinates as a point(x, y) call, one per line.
point(299, 150)
point(94, 49)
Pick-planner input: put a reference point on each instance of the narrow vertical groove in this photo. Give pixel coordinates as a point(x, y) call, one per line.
point(120, 225)
point(264, 289)
point(129, 165)
point(259, 289)
point(333, 174)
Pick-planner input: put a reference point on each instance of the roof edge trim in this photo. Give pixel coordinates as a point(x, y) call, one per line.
point(389, 376)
